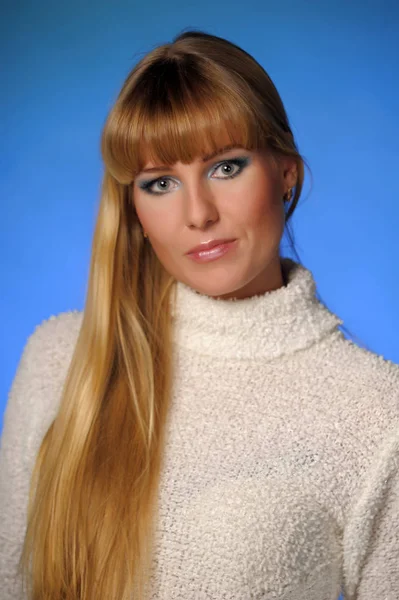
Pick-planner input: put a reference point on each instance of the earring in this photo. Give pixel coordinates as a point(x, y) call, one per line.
point(288, 195)
point(145, 234)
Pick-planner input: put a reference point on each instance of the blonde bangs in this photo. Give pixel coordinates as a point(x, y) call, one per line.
point(185, 119)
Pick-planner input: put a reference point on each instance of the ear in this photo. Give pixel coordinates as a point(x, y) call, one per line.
point(289, 171)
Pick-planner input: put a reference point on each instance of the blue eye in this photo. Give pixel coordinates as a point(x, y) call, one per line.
point(240, 162)
point(147, 185)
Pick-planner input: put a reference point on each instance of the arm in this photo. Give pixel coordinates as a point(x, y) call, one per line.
point(32, 405)
point(15, 466)
point(371, 536)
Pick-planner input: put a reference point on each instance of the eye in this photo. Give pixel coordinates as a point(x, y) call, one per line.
point(149, 186)
point(164, 184)
point(227, 168)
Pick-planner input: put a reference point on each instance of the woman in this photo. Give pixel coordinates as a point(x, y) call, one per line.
point(203, 430)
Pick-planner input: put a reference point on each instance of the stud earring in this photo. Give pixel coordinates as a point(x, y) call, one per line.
point(287, 196)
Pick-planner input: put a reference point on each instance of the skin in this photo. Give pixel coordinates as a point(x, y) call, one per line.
point(197, 202)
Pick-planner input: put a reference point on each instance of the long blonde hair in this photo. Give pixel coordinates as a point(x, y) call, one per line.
point(93, 495)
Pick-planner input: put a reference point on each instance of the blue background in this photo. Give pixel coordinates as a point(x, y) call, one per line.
point(335, 65)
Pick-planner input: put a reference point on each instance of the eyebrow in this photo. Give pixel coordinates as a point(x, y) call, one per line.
point(204, 159)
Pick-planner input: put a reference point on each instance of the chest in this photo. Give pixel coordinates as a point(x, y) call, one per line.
point(239, 514)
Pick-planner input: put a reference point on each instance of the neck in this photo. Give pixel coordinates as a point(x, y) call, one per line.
point(264, 326)
point(270, 279)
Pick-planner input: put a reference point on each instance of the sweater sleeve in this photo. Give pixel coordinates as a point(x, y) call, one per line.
point(16, 465)
point(31, 407)
point(371, 536)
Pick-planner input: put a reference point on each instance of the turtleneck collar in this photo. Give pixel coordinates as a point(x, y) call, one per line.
point(269, 325)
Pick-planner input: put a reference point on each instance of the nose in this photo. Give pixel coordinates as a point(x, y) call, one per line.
point(199, 206)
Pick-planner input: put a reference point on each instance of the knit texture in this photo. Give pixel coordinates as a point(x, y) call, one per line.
point(280, 478)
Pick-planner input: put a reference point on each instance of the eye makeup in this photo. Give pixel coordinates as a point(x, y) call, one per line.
point(239, 161)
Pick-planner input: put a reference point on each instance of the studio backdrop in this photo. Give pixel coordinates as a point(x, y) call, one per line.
point(335, 65)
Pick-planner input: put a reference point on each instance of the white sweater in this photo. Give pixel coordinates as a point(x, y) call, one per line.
point(281, 472)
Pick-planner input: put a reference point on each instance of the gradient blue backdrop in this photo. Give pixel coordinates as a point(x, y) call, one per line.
point(336, 67)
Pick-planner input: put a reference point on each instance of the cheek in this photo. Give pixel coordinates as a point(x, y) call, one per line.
point(162, 227)
point(256, 203)
point(157, 222)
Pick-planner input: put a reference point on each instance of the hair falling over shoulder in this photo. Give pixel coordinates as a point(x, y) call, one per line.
point(93, 496)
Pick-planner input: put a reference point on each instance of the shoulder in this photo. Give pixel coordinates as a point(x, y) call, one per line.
point(55, 335)
point(49, 348)
point(50, 344)
point(363, 388)
point(35, 392)
point(358, 377)
point(371, 373)
point(48, 351)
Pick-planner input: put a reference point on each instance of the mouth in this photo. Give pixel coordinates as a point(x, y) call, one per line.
point(214, 253)
point(209, 245)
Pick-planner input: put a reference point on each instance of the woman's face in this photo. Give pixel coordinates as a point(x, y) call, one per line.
point(237, 194)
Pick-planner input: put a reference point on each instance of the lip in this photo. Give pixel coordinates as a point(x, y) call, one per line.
point(209, 245)
point(215, 253)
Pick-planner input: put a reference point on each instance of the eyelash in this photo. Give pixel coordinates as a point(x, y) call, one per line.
point(241, 162)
